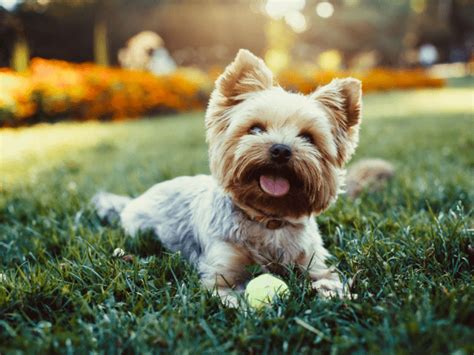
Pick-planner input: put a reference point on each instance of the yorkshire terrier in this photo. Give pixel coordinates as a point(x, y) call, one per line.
point(277, 160)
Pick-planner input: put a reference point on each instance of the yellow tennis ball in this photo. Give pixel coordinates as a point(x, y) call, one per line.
point(262, 290)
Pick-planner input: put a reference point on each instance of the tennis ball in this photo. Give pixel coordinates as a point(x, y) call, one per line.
point(262, 290)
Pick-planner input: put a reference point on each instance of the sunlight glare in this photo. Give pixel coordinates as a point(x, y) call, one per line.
point(9, 5)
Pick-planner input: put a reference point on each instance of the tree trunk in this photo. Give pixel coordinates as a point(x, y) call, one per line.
point(101, 50)
point(21, 55)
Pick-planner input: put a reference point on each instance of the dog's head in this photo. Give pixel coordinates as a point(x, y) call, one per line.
point(279, 153)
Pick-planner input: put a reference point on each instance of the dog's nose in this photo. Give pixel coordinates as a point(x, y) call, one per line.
point(280, 153)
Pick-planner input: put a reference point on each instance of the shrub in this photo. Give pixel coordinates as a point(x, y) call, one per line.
point(88, 91)
point(54, 90)
point(16, 93)
point(379, 79)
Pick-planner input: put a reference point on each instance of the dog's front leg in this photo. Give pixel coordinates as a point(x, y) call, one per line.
point(325, 280)
point(222, 268)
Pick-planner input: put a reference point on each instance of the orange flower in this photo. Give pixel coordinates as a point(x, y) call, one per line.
point(54, 89)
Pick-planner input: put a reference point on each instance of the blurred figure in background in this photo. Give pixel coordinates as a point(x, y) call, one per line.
point(146, 51)
point(428, 55)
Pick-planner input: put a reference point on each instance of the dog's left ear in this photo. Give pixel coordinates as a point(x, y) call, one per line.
point(343, 100)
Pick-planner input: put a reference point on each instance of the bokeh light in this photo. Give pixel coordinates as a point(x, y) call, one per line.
point(280, 8)
point(296, 21)
point(277, 59)
point(324, 9)
point(330, 60)
point(418, 6)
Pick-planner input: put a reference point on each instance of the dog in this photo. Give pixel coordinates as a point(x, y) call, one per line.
point(277, 160)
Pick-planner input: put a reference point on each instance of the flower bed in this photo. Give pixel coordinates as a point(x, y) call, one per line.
point(16, 96)
point(56, 90)
point(379, 79)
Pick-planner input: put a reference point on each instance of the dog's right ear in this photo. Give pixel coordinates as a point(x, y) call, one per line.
point(246, 74)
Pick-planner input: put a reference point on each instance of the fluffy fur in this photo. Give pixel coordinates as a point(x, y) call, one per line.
point(368, 174)
point(225, 222)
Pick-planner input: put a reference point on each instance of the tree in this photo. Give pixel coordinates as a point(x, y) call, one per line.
point(13, 46)
point(391, 27)
point(362, 26)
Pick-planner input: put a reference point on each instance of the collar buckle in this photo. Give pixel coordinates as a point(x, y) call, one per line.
point(275, 224)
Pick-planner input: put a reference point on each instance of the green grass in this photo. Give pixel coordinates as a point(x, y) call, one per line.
point(407, 247)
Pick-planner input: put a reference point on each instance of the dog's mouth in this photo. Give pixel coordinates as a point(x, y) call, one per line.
point(275, 186)
point(274, 181)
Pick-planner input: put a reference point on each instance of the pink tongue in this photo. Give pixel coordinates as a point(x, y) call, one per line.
point(273, 185)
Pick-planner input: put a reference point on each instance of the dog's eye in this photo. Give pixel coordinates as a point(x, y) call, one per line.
point(306, 137)
point(256, 129)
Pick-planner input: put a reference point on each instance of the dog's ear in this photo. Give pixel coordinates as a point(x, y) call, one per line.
point(342, 98)
point(246, 74)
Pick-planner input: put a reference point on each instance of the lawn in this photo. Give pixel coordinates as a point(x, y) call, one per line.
point(62, 290)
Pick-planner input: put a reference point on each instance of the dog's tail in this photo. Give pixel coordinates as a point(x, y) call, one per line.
point(368, 174)
point(108, 206)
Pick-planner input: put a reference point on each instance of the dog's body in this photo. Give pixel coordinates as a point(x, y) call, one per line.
point(194, 216)
point(277, 160)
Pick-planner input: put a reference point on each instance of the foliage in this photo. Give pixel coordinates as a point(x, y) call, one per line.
point(61, 90)
point(56, 90)
point(378, 79)
point(61, 290)
point(16, 96)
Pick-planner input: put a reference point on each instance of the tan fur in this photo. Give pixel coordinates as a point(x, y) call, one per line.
point(245, 96)
point(314, 173)
point(225, 269)
point(368, 174)
point(245, 74)
point(277, 160)
point(232, 258)
point(342, 99)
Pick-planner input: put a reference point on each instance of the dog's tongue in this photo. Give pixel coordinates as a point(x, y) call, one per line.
point(273, 185)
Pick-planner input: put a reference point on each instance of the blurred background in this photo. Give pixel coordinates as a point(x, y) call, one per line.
point(359, 33)
point(153, 56)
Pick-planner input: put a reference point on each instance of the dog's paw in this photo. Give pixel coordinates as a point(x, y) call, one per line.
point(331, 289)
point(108, 206)
point(101, 205)
point(229, 301)
point(229, 298)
